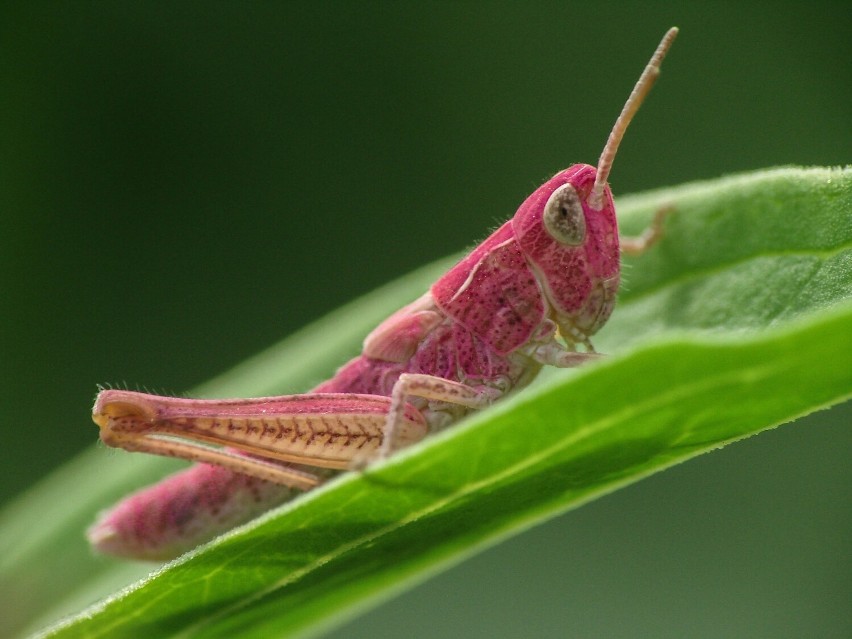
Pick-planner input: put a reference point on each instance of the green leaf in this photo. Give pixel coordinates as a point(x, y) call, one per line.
point(736, 322)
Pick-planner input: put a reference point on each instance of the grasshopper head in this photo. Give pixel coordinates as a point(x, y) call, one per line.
point(573, 249)
point(568, 232)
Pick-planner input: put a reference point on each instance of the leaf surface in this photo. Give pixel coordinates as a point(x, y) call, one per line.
point(736, 322)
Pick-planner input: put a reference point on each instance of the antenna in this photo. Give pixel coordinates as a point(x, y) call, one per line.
point(643, 86)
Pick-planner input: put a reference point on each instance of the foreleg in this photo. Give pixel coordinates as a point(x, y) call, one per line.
point(650, 236)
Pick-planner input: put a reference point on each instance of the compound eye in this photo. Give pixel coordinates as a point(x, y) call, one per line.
point(564, 218)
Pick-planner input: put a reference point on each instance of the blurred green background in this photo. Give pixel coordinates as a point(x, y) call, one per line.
point(181, 185)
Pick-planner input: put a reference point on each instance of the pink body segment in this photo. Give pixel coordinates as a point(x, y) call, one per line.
point(532, 292)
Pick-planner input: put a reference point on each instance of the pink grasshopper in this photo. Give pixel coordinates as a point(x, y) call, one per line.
point(539, 286)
